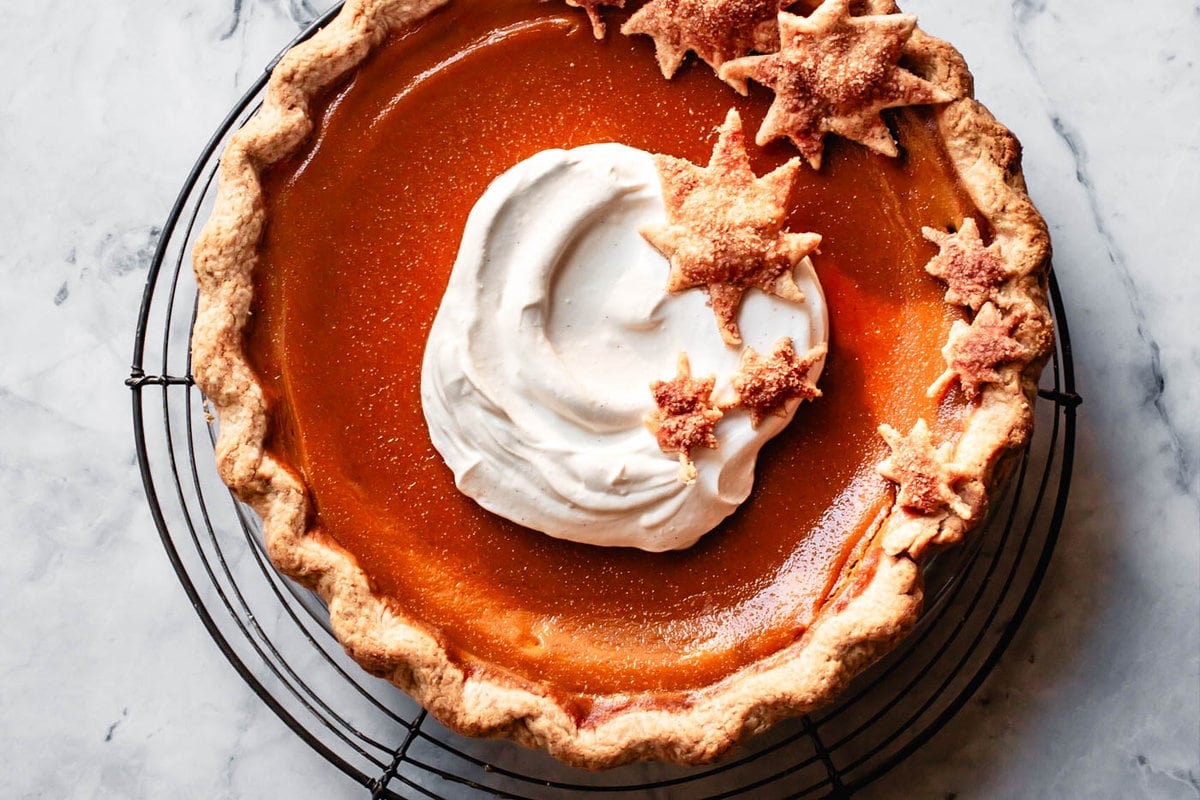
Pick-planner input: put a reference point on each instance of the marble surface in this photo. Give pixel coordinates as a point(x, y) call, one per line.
point(109, 685)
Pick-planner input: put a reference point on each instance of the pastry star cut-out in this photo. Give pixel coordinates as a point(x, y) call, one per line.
point(685, 416)
point(592, 7)
point(724, 229)
point(974, 353)
point(715, 30)
point(836, 73)
point(765, 385)
point(926, 476)
point(972, 272)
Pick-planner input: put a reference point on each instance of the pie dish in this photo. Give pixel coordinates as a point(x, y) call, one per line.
point(339, 210)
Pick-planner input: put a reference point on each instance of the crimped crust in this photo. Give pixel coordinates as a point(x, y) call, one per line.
point(873, 608)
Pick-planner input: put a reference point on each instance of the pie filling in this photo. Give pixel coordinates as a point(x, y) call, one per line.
point(364, 227)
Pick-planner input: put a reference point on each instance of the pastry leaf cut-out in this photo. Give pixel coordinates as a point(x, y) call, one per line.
point(975, 352)
point(836, 73)
point(724, 229)
point(972, 271)
point(592, 7)
point(715, 30)
point(685, 416)
point(764, 385)
point(926, 475)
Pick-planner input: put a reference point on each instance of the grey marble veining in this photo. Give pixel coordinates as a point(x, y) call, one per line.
point(109, 685)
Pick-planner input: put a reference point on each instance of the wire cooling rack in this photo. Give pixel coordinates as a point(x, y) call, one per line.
point(276, 634)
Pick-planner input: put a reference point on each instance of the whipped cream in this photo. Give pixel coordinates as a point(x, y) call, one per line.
point(556, 319)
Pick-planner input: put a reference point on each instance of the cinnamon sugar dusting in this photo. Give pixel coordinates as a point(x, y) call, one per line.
point(715, 30)
point(926, 475)
point(972, 272)
point(685, 416)
point(764, 385)
point(724, 229)
point(975, 353)
point(835, 73)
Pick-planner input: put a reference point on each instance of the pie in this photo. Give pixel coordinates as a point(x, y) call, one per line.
point(337, 223)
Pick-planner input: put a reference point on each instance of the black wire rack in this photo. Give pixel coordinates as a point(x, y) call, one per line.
point(276, 634)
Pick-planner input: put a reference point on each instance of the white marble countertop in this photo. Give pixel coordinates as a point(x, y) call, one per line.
point(109, 685)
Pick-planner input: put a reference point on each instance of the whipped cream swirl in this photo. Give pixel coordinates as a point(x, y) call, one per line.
point(556, 319)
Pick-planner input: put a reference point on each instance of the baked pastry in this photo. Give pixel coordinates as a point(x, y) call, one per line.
point(341, 209)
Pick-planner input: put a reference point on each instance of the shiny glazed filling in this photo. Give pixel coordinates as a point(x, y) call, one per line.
point(363, 228)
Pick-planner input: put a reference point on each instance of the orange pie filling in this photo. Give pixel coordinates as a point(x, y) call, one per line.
point(364, 226)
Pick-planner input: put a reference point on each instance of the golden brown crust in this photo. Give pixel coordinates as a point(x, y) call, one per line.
point(864, 619)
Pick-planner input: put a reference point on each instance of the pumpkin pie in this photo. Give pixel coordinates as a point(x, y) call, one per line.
point(340, 220)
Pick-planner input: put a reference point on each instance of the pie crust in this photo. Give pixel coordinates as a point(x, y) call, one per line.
point(870, 612)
